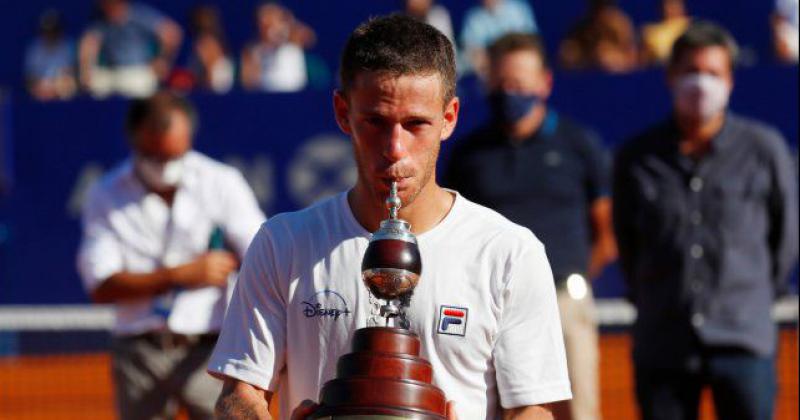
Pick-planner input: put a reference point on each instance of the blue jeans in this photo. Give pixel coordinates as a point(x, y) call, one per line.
point(743, 386)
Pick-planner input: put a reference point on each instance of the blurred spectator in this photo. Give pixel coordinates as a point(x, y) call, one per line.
point(50, 60)
point(210, 64)
point(551, 175)
point(604, 39)
point(705, 212)
point(485, 23)
point(275, 61)
point(785, 30)
point(128, 50)
point(156, 237)
point(658, 37)
point(435, 15)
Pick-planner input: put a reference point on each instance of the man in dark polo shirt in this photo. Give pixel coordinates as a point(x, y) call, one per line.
point(705, 212)
point(547, 173)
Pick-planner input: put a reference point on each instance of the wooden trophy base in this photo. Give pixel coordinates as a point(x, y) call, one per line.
point(383, 378)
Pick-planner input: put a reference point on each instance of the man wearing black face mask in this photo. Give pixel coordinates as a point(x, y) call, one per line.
point(705, 211)
point(151, 247)
point(545, 172)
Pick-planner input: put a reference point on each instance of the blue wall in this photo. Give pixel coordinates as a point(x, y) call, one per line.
point(278, 141)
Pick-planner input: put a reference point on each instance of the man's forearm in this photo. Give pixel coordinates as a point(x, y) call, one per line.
point(241, 401)
point(603, 253)
point(531, 412)
point(233, 406)
point(131, 286)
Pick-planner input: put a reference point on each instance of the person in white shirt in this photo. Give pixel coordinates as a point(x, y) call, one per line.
point(155, 233)
point(275, 61)
point(300, 298)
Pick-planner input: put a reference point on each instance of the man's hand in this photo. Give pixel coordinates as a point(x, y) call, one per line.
point(450, 412)
point(209, 269)
point(305, 409)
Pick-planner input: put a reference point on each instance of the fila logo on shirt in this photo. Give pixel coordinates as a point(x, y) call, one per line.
point(452, 320)
point(325, 304)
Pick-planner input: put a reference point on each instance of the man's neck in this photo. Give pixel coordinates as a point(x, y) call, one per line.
point(696, 135)
point(423, 214)
point(525, 128)
point(168, 195)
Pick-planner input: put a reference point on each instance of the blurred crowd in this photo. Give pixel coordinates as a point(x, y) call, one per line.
point(131, 48)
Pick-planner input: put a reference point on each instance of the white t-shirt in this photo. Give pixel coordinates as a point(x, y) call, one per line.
point(492, 274)
point(128, 228)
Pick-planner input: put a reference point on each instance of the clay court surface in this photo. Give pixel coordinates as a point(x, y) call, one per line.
point(79, 386)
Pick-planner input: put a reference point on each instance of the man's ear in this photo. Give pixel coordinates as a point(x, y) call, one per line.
point(341, 110)
point(450, 117)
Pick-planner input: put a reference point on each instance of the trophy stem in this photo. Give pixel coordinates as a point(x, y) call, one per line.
point(391, 311)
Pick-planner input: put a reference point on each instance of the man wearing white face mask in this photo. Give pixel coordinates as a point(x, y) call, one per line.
point(156, 230)
point(705, 213)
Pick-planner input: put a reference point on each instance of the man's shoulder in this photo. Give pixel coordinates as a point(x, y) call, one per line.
point(758, 134)
point(322, 216)
point(482, 137)
point(207, 167)
point(485, 224)
point(115, 180)
point(577, 134)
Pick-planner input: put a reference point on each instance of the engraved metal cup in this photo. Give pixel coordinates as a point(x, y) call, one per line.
point(392, 263)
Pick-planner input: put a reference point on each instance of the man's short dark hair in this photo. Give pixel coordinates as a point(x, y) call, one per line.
point(704, 34)
point(518, 41)
point(155, 110)
point(398, 45)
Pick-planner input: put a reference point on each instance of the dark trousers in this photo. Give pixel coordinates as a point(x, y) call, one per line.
point(154, 373)
point(743, 387)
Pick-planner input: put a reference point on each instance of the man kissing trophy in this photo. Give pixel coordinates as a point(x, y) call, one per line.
point(384, 377)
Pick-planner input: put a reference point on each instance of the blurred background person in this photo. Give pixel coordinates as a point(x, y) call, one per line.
point(433, 14)
point(486, 22)
point(658, 37)
point(785, 30)
point(604, 39)
point(210, 64)
point(128, 50)
point(156, 233)
point(705, 213)
point(50, 60)
point(546, 172)
point(275, 61)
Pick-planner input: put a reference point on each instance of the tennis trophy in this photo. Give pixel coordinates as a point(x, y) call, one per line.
point(384, 377)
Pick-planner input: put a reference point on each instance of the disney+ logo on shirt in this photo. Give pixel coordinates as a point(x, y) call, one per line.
point(325, 304)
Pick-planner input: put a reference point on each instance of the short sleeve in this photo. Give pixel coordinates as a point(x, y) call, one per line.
point(100, 253)
point(252, 342)
point(598, 167)
point(242, 215)
point(529, 357)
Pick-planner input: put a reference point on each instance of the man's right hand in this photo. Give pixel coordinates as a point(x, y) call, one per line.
point(209, 269)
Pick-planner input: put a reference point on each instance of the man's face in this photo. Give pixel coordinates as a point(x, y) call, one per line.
point(701, 81)
point(396, 123)
point(166, 138)
point(521, 72)
point(114, 10)
point(714, 61)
